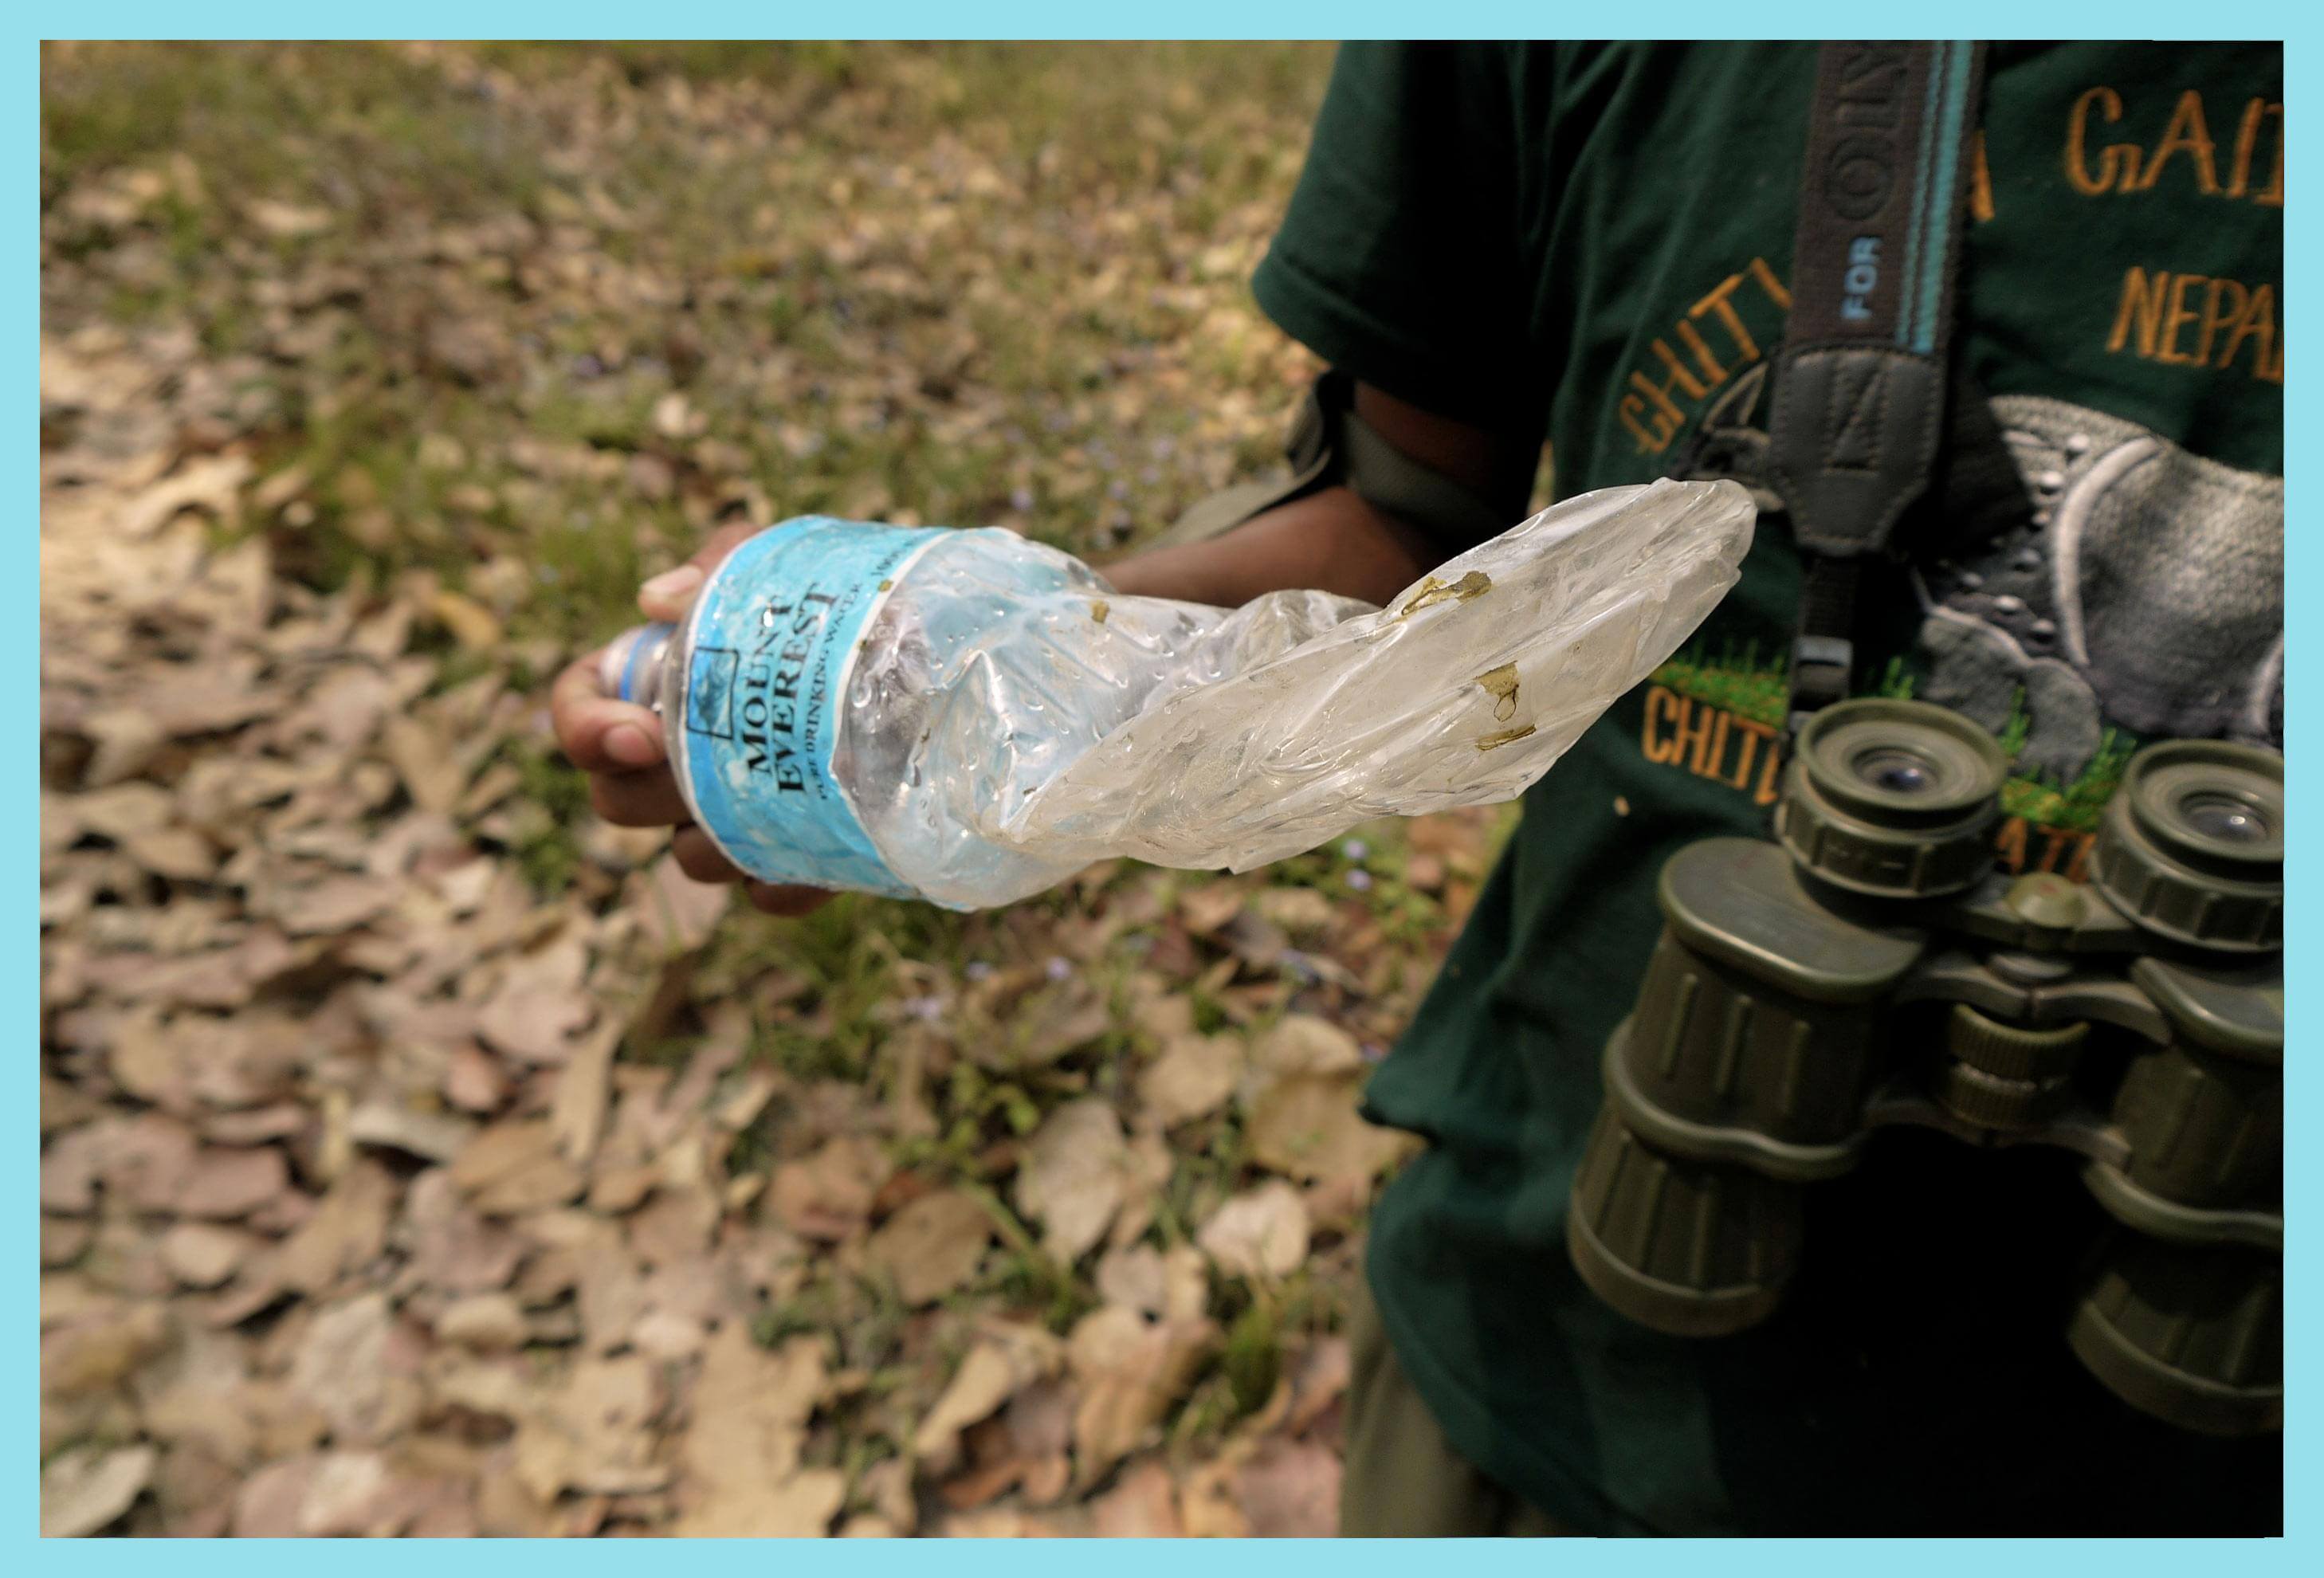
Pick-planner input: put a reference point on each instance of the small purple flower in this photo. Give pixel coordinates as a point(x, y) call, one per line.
point(1355, 849)
point(977, 970)
point(930, 1007)
point(1020, 499)
point(1361, 880)
point(1057, 969)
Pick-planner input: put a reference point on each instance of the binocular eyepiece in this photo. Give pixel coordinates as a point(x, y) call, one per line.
point(1871, 967)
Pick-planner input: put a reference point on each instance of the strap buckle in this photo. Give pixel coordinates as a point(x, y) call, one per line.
point(1821, 667)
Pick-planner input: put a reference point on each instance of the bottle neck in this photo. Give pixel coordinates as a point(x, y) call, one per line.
point(632, 666)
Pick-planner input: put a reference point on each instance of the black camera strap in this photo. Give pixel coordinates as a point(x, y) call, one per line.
point(1860, 396)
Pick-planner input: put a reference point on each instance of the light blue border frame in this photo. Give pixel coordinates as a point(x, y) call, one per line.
point(1184, 19)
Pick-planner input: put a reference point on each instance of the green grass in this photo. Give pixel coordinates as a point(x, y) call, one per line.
point(1743, 684)
point(1736, 680)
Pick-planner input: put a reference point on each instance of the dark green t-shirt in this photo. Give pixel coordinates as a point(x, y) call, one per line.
point(1590, 243)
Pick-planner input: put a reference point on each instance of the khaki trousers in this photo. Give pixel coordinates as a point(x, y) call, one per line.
point(1403, 1478)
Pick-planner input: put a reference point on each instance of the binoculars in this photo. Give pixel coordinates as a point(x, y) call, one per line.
point(1870, 967)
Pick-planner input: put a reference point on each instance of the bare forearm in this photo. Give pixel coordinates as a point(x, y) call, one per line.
point(1330, 541)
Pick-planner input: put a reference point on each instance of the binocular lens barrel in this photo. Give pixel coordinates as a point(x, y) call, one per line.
point(1873, 970)
point(1894, 799)
point(2193, 845)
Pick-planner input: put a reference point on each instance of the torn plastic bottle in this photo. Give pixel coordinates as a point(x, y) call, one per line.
point(969, 718)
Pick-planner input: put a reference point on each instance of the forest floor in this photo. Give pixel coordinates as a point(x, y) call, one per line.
point(421, 1154)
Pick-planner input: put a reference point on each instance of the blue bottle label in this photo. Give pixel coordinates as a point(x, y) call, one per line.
point(772, 640)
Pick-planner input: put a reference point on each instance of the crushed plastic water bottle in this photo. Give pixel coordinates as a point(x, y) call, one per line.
point(969, 718)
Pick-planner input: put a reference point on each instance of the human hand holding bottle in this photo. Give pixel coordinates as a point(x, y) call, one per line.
point(619, 745)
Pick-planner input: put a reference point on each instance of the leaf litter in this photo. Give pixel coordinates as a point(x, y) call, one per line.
point(421, 1156)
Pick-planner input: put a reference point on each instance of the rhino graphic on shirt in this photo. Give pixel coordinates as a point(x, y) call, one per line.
point(2147, 589)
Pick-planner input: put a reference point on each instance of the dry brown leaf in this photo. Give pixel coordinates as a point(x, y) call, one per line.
point(1206, 1500)
point(514, 1168)
point(200, 1395)
point(1206, 909)
point(127, 741)
point(828, 1194)
point(472, 624)
point(207, 482)
point(1301, 911)
point(123, 812)
point(84, 1489)
point(678, 913)
point(351, 1493)
point(1303, 1044)
point(1289, 1489)
point(752, 1093)
point(488, 1323)
point(389, 1125)
point(541, 1002)
point(591, 1431)
point(999, 1523)
point(95, 1353)
point(333, 905)
point(472, 1080)
point(1072, 1179)
point(222, 1184)
point(1257, 941)
point(1320, 1381)
point(347, 1230)
point(148, 1064)
point(144, 1159)
point(1051, 1024)
point(1142, 1505)
point(452, 1248)
point(578, 1115)
point(1261, 1234)
point(674, 1227)
point(1307, 1126)
point(932, 1246)
point(620, 1189)
point(266, 1506)
point(63, 1240)
point(200, 1255)
point(286, 220)
point(1004, 1361)
point(1160, 1008)
point(741, 1455)
point(1132, 1373)
point(345, 1369)
point(223, 978)
point(1193, 1078)
point(1162, 1284)
point(178, 853)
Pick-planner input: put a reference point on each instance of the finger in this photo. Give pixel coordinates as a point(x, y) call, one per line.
point(669, 595)
point(638, 799)
point(699, 858)
point(776, 899)
point(597, 732)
